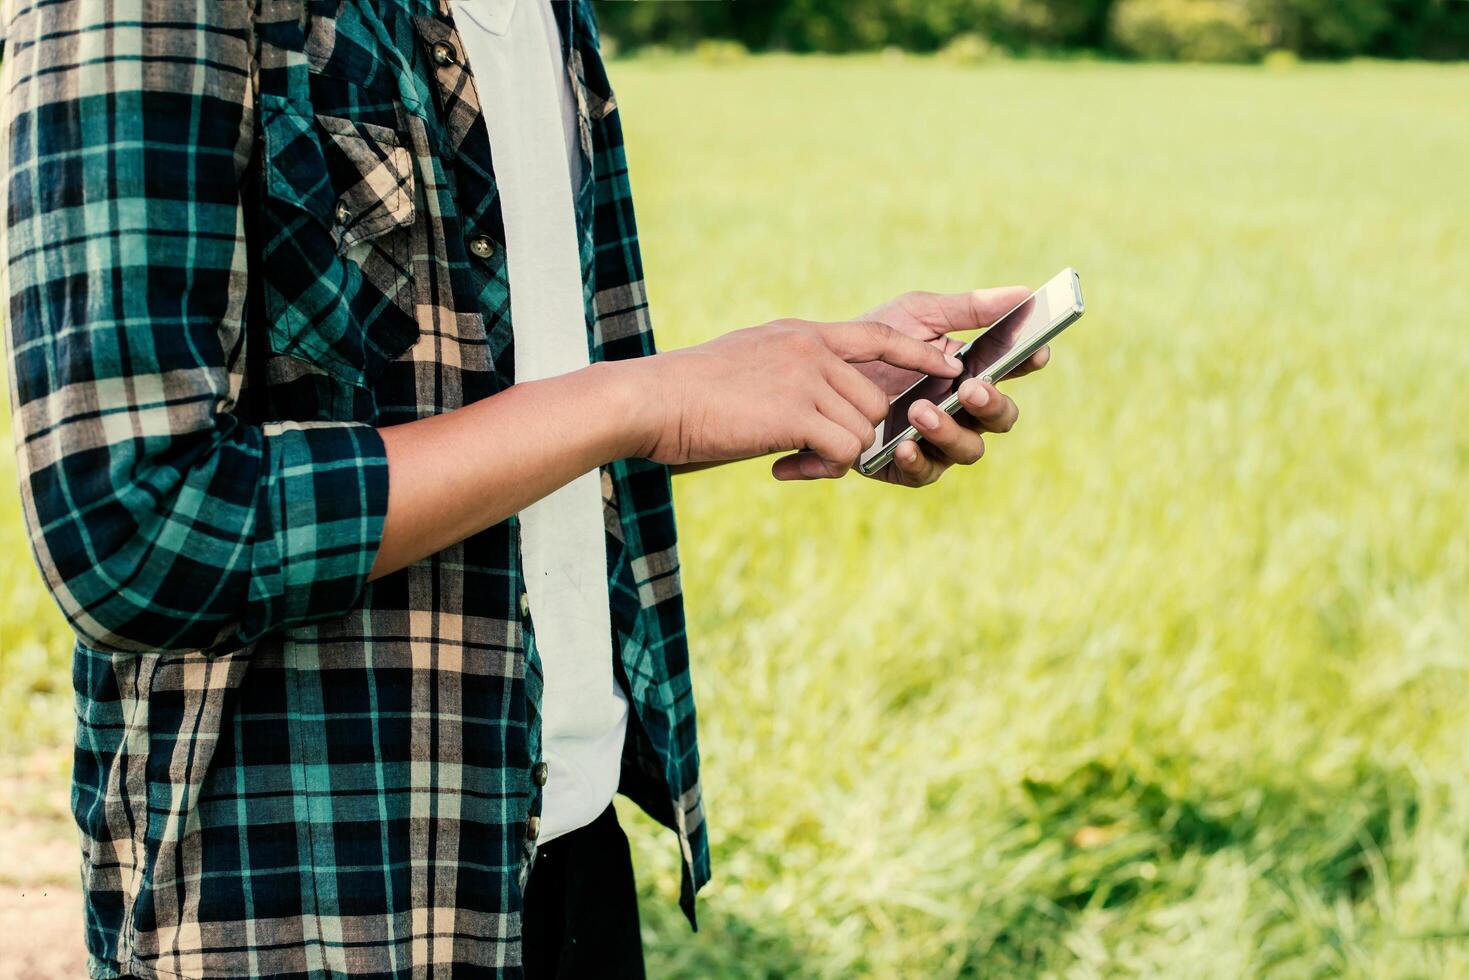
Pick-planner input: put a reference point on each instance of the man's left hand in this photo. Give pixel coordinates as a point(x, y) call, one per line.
point(947, 440)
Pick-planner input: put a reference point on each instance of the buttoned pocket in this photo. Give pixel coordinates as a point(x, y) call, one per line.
point(338, 210)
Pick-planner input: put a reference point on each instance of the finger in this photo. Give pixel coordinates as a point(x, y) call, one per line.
point(837, 446)
point(861, 341)
point(831, 404)
point(803, 466)
point(917, 468)
point(990, 410)
point(976, 308)
point(858, 389)
point(954, 441)
point(1034, 363)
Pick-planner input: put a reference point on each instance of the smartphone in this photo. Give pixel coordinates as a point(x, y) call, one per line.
point(1002, 348)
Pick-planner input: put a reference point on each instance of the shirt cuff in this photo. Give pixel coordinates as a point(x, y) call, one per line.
point(325, 497)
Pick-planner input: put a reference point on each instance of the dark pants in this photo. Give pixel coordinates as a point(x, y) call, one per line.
point(581, 907)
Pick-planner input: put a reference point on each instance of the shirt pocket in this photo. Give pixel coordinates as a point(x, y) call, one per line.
point(337, 253)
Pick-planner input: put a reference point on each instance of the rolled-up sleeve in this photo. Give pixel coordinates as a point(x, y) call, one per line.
point(159, 519)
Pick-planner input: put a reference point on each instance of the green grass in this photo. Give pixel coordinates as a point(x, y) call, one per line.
point(1176, 682)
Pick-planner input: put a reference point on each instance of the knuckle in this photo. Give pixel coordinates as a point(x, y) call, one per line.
point(785, 329)
point(878, 332)
point(806, 341)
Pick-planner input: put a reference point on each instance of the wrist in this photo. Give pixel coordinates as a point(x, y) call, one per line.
point(627, 402)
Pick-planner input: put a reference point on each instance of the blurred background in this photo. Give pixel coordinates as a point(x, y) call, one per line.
point(1184, 30)
point(1176, 682)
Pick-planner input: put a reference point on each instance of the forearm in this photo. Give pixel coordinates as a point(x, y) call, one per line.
point(453, 475)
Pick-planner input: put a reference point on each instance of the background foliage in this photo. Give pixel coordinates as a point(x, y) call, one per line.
point(1197, 30)
point(1176, 682)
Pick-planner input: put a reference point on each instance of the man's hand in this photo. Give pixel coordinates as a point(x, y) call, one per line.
point(787, 385)
point(931, 318)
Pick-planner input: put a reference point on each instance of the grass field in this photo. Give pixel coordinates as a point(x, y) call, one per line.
point(1176, 682)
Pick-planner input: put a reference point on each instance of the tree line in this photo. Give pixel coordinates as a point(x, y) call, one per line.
point(1191, 30)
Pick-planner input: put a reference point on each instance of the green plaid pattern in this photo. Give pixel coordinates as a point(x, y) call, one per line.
point(239, 236)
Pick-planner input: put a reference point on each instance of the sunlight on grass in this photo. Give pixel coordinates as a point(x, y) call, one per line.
point(1174, 682)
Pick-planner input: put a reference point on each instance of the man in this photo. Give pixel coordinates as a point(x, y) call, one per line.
point(345, 449)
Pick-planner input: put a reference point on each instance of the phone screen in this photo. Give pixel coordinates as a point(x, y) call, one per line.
point(1037, 314)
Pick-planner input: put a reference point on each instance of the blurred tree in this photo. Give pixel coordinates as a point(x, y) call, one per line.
point(677, 22)
point(1322, 27)
point(1425, 29)
point(1187, 30)
point(1048, 23)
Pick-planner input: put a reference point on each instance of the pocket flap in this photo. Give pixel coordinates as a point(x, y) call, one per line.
point(377, 193)
point(354, 177)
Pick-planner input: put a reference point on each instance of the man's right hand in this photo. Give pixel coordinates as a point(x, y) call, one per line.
point(785, 386)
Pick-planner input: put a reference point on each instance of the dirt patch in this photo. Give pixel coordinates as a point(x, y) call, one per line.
point(42, 934)
point(40, 903)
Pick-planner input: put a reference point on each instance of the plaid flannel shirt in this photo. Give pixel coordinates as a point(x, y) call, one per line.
point(241, 234)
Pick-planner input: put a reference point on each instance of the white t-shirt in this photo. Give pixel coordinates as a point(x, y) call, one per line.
point(514, 50)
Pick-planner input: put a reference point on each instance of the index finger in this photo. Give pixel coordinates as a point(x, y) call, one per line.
point(870, 340)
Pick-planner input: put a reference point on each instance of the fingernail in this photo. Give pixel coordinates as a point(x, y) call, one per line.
point(927, 418)
point(978, 394)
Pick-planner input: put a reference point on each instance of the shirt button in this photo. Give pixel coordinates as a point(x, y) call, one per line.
point(482, 246)
point(532, 827)
point(343, 213)
point(539, 773)
point(524, 604)
point(443, 53)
